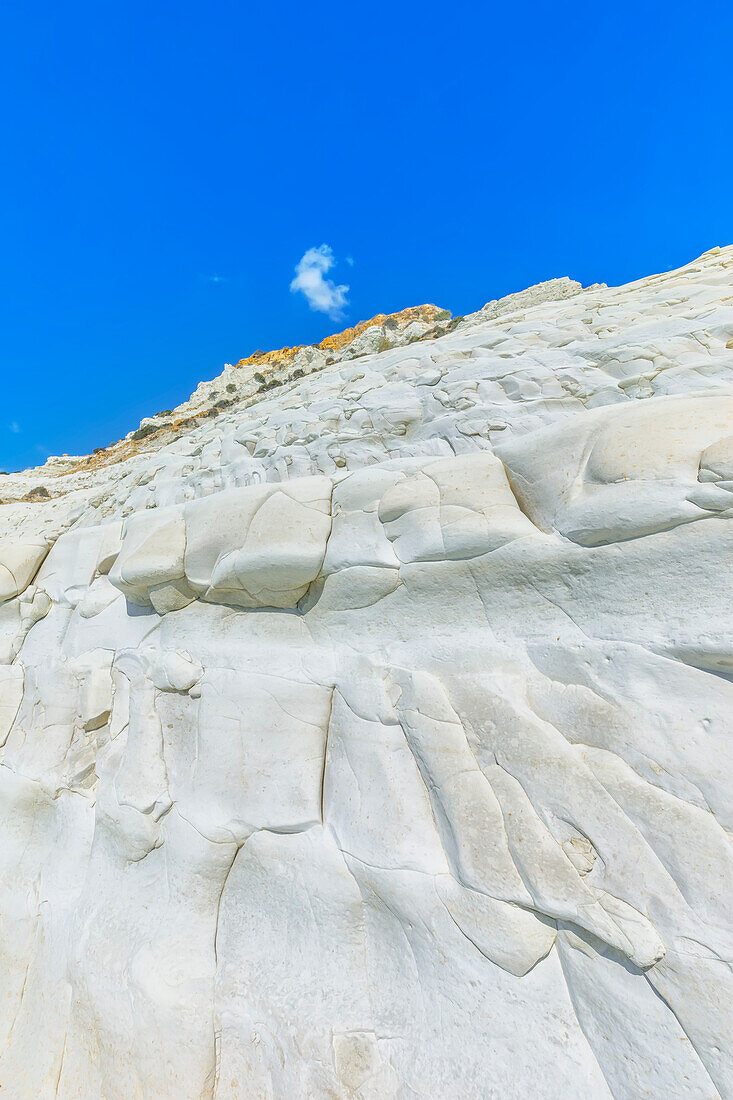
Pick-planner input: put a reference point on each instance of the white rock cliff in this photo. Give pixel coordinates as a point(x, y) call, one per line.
point(367, 727)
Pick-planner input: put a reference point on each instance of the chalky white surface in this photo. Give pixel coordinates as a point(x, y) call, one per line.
point(374, 738)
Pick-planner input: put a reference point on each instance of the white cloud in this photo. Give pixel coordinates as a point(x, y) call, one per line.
point(14, 427)
point(322, 295)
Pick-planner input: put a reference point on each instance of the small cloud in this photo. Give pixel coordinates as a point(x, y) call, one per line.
point(320, 293)
point(350, 261)
point(14, 427)
point(215, 279)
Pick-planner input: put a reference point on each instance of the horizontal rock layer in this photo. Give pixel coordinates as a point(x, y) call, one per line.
point(372, 738)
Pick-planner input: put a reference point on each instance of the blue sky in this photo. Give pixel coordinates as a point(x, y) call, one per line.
point(166, 165)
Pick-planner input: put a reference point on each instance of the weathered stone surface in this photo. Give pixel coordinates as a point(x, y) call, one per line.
point(373, 737)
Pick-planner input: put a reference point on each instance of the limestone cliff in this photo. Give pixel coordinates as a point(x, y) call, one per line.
point(365, 722)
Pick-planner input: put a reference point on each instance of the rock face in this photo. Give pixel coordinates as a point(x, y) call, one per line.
point(373, 737)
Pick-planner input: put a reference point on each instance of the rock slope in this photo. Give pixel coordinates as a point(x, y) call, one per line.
point(366, 721)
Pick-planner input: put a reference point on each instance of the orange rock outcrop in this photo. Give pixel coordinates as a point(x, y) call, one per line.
point(426, 313)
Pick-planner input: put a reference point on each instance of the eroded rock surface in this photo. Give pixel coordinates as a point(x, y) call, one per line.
point(372, 738)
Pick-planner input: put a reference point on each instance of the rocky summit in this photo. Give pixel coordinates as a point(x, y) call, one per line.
point(367, 721)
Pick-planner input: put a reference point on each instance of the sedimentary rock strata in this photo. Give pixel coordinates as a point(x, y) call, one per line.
point(372, 738)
